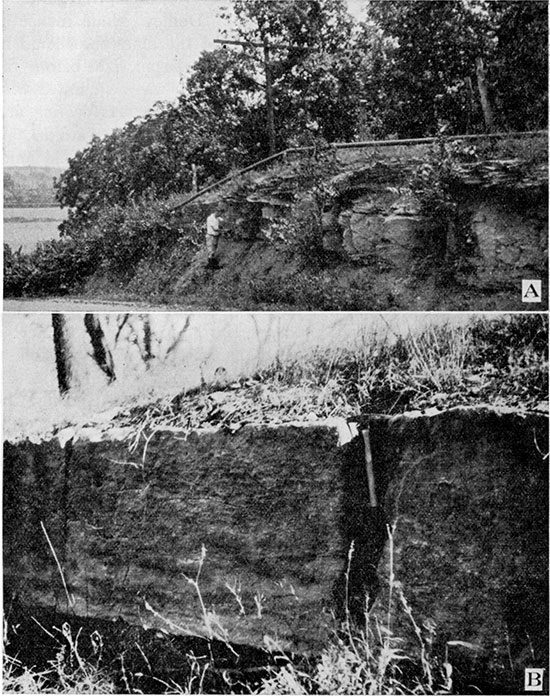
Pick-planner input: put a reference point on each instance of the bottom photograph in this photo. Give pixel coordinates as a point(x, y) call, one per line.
point(275, 503)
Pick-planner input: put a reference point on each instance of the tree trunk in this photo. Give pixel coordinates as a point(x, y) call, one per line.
point(82, 354)
point(62, 353)
point(484, 96)
point(100, 352)
point(269, 99)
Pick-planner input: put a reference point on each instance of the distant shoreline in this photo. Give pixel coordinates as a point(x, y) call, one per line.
point(26, 219)
point(30, 187)
point(32, 207)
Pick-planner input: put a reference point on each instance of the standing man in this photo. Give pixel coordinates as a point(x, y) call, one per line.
point(214, 224)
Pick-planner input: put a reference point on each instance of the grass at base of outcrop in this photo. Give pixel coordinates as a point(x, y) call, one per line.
point(49, 651)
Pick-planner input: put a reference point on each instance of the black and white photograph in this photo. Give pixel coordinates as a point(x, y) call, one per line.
point(345, 155)
point(275, 354)
point(275, 503)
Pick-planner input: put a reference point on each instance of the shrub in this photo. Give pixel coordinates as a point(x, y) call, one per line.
point(497, 339)
point(54, 267)
point(433, 182)
point(16, 271)
point(514, 346)
point(116, 242)
point(128, 234)
point(302, 234)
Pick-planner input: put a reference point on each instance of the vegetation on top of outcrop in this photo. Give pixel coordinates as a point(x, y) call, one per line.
point(508, 165)
point(410, 69)
point(501, 362)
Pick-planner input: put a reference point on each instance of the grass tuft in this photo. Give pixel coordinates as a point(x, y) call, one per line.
point(499, 361)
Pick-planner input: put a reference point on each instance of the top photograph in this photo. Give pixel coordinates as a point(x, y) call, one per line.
point(266, 155)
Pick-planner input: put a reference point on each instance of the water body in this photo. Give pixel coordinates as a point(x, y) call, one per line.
point(25, 227)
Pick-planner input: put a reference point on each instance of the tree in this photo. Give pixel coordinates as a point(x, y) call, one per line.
point(62, 353)
point(146, 157)
point(215, 125)
point(472, 64)
point(222, 100)
point(218, 122)
point(428, 68)
point(521, 62)
point(313, 63)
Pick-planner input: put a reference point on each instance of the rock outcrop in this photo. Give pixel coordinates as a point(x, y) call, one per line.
point(369, 215)
point(267, 531)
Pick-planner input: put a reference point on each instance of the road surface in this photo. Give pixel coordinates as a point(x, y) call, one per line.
point(82, 304)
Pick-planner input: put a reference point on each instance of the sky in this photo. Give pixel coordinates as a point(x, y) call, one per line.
point(250, 342)
point(78, 68)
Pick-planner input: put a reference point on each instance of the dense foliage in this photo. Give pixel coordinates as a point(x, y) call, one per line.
point(54, 267)
point(520, 65)
point(411, 68)
point(313, 63)
point(115, 243)
point(460, 64)
point(428, 70)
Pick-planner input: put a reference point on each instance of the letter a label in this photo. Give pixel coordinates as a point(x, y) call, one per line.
point(531, 290)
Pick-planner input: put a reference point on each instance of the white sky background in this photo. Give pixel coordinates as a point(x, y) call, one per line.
point(240, 342)
point(77, 68)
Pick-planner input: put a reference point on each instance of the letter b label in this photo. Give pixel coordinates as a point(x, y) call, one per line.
point(533, 680)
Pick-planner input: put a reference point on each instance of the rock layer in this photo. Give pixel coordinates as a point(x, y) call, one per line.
point(465, 497)
point(129, 529)
point(289, 531)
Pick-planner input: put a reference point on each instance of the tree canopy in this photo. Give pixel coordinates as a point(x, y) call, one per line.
point(314, 62)
point(464, 63)
point(408, 69)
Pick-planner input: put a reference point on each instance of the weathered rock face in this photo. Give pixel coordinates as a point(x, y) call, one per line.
point(278, 510)
point(389, 230)
point(504, 233)
point(267, 505)
point(371, 217)
point(511, 238)
point(465, 495)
